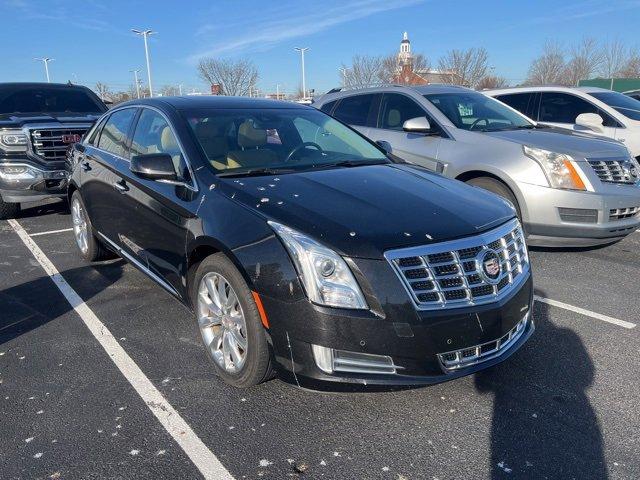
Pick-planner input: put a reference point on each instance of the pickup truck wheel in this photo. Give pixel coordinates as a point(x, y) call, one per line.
point(497, 187)
point(91, 249)
point(8, 210)
point(230, 323)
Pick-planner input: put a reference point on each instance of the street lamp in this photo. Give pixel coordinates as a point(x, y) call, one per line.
point(137, 82)
point(46, 61)
point(145, 34)
point(304, 85)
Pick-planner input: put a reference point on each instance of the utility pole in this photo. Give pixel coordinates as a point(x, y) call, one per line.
point(277, 91)
point(145, 34)
point(137, 82)
point(46, 61)
point(344, 71)
point(304, 84)
point(180, 89)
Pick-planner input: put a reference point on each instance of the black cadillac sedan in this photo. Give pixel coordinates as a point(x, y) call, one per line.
point(300, 246)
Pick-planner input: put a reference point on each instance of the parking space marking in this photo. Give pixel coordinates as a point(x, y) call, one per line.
point(51, 231)
point(588, 313)
point(203, 458)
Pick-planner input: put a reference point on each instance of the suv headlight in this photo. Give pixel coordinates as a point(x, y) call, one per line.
point(558, 168)
point(13, 140)
point(325, 275)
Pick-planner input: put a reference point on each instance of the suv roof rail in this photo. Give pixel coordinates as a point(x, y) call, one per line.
point(361, 86)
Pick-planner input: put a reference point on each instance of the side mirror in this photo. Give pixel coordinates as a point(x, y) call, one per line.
point(386, 146)
point(154, 166)
point(417, 125)
point(592, 121)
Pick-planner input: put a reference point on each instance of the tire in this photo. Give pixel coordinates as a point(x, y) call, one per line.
point(91, 249)
point(497, 187)
point(254, 362)
point(8, 210)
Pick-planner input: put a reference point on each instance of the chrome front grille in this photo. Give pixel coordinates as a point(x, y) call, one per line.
point(622, 213)
point(466, 357)
point(470, 271)
point(611, 170)
point(52, 144)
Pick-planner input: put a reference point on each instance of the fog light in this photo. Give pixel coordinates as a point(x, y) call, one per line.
point(17, 172)
point(330, 360)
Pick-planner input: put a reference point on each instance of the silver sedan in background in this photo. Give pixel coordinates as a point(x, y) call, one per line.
point(570, 189)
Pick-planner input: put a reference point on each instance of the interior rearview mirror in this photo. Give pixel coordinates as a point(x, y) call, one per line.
point(154, 166)
point(592, 121)
point(417, 125)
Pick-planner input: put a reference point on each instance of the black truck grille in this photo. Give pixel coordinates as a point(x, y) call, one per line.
point(52, 144)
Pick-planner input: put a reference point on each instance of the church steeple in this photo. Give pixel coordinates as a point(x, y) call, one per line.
point(404, 55)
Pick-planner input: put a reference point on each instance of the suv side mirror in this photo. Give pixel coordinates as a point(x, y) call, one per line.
point(417, 125)
point(592, 121)
point(154, 166)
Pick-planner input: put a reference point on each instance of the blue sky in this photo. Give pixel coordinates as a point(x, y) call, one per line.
point(91, 39)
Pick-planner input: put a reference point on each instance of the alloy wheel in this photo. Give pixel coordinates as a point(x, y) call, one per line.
point(222, 322)
point(80, 229)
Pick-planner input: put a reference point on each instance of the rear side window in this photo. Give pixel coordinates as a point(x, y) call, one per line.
point(113, 138)
point(563, 108)
point(327, 107)
point(354, 110)
point(523, 102)
point(397, 109)
point(95, 133)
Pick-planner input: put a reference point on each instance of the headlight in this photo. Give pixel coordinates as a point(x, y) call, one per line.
point(558, 167)
point(13, 140)
point(325, 275)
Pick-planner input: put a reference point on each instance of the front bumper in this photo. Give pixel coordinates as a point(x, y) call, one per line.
point(32, 185)
point(413, 339)
point(547, 225)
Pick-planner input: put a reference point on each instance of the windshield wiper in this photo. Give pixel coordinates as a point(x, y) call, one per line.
point(256, 172)
point(353, 163)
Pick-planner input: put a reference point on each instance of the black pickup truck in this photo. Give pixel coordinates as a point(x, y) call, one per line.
point(38, 122)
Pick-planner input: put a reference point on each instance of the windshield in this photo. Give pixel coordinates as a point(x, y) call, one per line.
point(627, 106)
point(474, 111)
point(49, 100)
point(238, 141)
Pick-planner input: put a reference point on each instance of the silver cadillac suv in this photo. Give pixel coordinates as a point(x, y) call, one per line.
point(570, 189)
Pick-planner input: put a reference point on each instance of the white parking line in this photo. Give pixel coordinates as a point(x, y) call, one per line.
point(51, 231)
point(588, 313)
point(203, 458)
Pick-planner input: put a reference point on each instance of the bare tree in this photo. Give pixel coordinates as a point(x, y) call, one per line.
point(586, 59)
point(614, 57)
point(632, 67)
point(102, 90)
point(169, 91)
point(548, 68)
point(364, 70)
point(235, 77)
point(492, 81)
point(468, 66)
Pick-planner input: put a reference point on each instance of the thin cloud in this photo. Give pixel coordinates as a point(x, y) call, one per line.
point(264, 33)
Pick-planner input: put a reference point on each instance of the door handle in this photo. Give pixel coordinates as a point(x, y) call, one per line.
point(121, 186)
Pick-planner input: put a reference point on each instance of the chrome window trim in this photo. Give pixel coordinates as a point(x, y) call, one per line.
point(191, 186)
point(482, 239)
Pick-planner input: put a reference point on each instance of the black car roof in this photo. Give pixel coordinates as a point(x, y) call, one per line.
point(214, 101)
point(19, 85)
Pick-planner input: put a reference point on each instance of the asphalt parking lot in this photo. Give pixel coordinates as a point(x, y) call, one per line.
point(564, 406)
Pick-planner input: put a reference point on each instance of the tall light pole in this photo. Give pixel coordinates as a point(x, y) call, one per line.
point(46, 61)
point(180, 89)
point(304, 85)
point(136, 81)
point(145, 34)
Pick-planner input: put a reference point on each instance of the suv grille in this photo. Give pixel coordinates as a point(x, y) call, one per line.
point(469, 271)
point(48, 144)
point(613, 170)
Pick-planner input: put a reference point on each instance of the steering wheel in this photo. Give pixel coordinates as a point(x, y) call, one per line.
point(478, 120)
point(302, 146)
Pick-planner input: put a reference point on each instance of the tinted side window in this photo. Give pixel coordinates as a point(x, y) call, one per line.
point(113, 138)
point(354, 110)
point(327, 107)
point(397, 109)
point(563, 108)
point(154, 135)
point(95, 133)
point(519, 101)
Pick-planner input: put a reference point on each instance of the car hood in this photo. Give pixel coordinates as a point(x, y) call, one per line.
point(18, 120)
point(363, 211)
point(560, 140)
